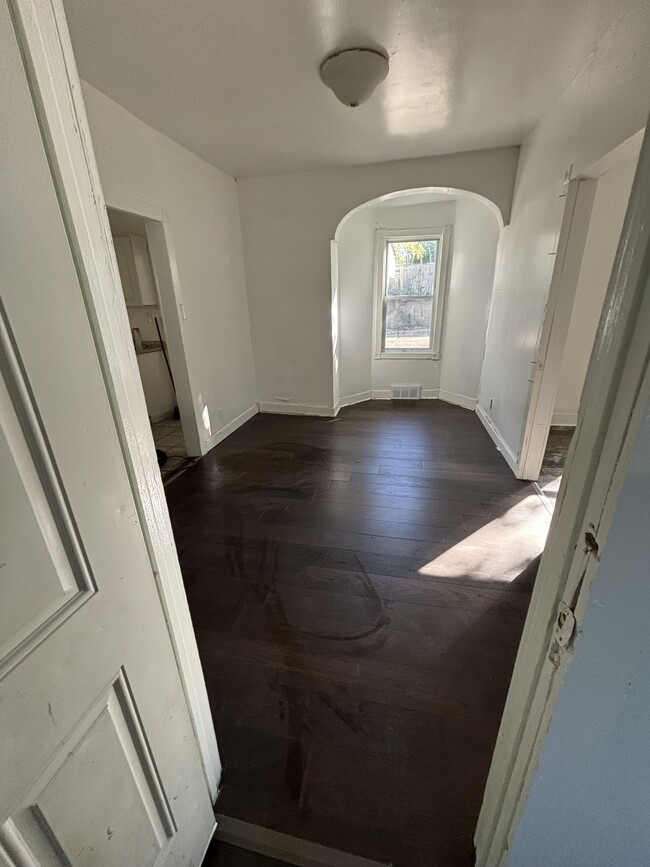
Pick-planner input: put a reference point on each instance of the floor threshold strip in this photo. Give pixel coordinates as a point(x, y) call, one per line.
point(292, 850)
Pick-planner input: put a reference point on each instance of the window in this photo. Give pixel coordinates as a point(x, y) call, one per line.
point(411, 270)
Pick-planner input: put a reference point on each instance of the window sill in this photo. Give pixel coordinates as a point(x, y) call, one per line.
point(407, 355)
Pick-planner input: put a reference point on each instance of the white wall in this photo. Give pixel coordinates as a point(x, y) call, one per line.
point(356, 254)
point(158, 394)
point(608, 213)
point(475, 236)
point(588, 805)
point(605, 104)
point(200, 202)
point(287, 224)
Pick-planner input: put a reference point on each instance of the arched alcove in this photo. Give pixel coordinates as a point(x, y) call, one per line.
point(475, 225)
point(422, 194)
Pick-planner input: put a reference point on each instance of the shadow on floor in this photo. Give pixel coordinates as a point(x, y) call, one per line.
point(224, 855)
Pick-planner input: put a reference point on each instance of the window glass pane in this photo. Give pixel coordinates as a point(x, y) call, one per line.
point(411, 267)
point(408, 323)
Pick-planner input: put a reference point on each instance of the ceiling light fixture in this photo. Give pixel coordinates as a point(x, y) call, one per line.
point(354, 74)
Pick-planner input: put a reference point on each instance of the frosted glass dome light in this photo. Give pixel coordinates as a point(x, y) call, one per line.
point(354, 74)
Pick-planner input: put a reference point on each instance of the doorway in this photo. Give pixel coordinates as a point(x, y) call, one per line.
point(610, 199)
point(596, 205)
point(612, 409)
point(141, 290)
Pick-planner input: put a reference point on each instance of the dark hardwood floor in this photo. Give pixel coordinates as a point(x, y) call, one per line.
point(224, 855)
point(358, 587)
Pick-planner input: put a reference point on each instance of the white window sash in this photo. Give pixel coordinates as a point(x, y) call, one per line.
point(383, 237)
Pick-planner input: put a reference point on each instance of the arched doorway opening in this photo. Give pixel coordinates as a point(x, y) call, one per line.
point(451, 370)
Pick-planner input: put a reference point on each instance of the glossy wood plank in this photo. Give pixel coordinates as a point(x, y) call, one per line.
point(358, 588)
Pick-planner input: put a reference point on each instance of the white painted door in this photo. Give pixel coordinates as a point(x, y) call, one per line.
point(99, 763)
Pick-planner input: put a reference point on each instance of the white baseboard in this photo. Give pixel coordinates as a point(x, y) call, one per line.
point(231, 427)
point(498, 439)
point(386, 394)
point(282, 408)
point(287, 408)
point(426, 394)
point(457, 399)
point(351, 399)
point(290, 850)
point(565, 419)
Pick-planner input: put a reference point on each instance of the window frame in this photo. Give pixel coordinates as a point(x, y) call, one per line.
point(383, 237)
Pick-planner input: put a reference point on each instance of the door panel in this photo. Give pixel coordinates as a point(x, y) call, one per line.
point(108, 753)
point(37, 534)
point(99, 763)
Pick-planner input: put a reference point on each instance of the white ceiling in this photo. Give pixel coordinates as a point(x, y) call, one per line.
point(236, 81)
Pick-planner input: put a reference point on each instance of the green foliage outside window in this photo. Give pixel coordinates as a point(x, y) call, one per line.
point(415, 252)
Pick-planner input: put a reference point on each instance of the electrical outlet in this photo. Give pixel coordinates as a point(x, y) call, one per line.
point(220, 413)
point(491, 402)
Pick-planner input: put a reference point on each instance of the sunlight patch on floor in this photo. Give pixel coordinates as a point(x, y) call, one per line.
point(508, 538)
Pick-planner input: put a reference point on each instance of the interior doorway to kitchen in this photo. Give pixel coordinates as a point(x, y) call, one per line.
point(141, 286)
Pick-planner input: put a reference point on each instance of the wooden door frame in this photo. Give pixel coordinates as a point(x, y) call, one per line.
point(615, 401)
point(51, 73)
point(546, 367)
